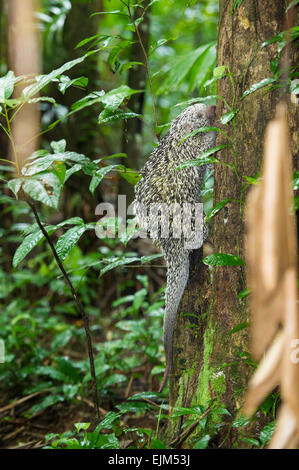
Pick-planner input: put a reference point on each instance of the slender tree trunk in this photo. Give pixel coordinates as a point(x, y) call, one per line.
point(137, 79)
point(210, 361)
point(82, 131)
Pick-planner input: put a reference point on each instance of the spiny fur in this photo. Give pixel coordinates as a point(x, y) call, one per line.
point(162, 183)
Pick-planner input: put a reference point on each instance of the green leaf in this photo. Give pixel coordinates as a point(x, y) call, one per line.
point(240, 421)
point(80, 426)
point(65, 82)
point(36, 235)
point(220, 71)
point(26, 246)
point(115, 97)
point(61, 339)
point(181, 66)
point(227, 117)
point(58, 146)
point(45, 403)
point(143, 395)
point(7, 84)
point(108, 421)
point(201, 69)
point(196, 131)
point(203, 442)
point(110, 114)
point(15, 185)
point(88, 100)
point(257, 86)
point(217, 208)
point(223, 259)
point(239, 327)
point(266, 433)
point(41, 164)
point(43, 80)
point(128, 174)
point(204, 159)
point(68, 240)
point(98, 176)
point(118, 263)
point(244, 293)
point(37, 191)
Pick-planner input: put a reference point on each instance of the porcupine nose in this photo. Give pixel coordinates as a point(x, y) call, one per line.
point(211, 112)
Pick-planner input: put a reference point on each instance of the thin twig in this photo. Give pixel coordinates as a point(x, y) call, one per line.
point(79, 306)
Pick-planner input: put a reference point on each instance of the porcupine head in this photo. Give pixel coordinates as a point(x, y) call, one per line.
point(163, 186)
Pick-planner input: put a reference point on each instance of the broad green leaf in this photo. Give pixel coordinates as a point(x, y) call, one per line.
point(204, 159)
point(130, 175)
point(266, 433)
point(7, 84)
point(68, 240)
point(45, 403)
point(26, 246)
point(257, 86)
point(217, 208)
point(43, 163)
point(115, 51)
point(203, 442)
point(43, 80)
point(81, 426)
point(111, 114)
point(65, 82)
point(227, 117)
point(108, 421)
point(15, 185)
point(115, 97)
point(71, 171)
point(223, 259)
point(88, 100)
point(58, 146)
point(98, 176)
point(60, 172)
point(202, 68)
point(284, 36)
point(35, 235)
point(220, 71)
point(181, 66)
point(38, 192)
point(61, 339)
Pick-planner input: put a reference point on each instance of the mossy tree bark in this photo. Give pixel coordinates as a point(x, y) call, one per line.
point(210, 360)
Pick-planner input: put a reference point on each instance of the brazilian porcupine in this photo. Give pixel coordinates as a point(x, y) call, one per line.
point(161, 184)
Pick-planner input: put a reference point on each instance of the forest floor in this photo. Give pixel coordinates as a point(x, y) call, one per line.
point(20, 432)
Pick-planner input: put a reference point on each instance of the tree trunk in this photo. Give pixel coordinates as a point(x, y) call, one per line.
point(209, 360)
point(82, 131)
point(137, 79)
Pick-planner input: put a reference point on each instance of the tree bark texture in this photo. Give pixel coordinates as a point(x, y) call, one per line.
point(210, 361)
